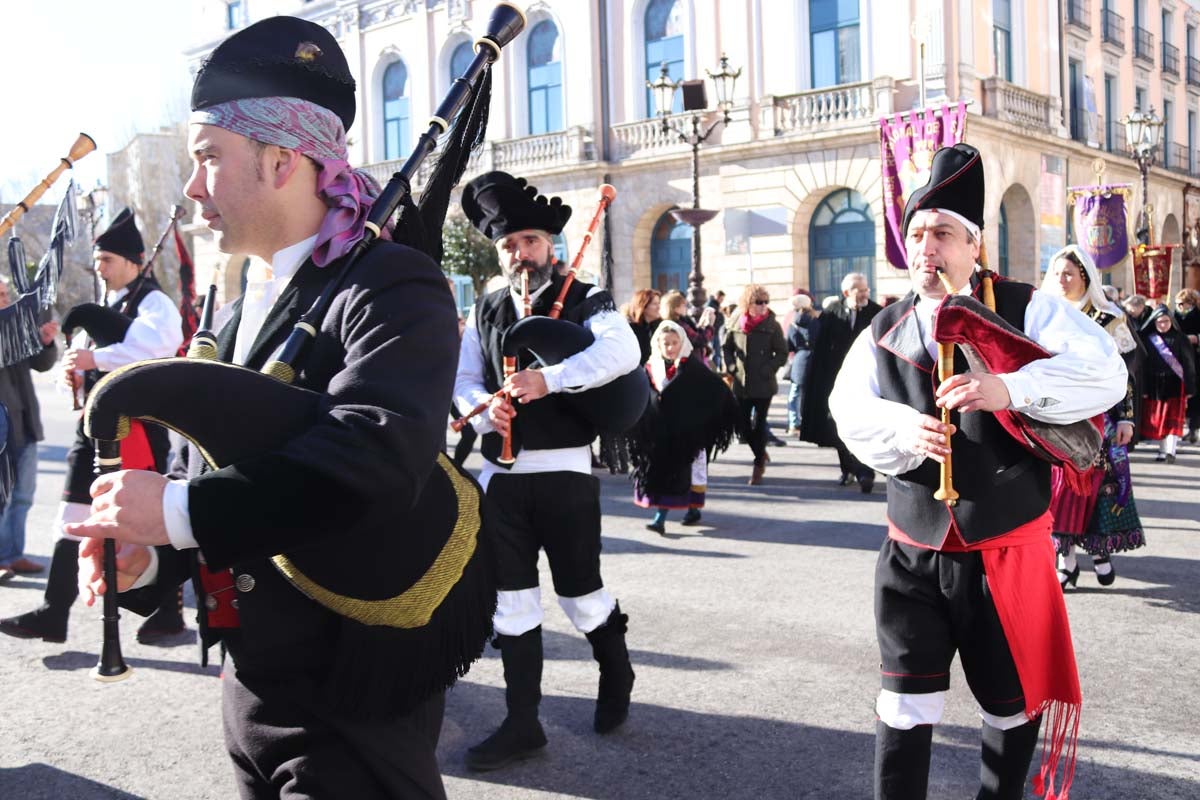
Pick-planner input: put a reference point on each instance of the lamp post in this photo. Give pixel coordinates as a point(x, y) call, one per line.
point(90, 204)
point(695, 100)
point(1142, 130)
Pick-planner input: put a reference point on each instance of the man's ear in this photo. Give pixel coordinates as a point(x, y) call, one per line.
point(283, 164)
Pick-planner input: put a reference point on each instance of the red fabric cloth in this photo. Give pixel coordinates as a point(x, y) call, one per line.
point(135, 448)
point(1029, 601)
point(1162, 417)
point(1072, 509)
point(749, 323)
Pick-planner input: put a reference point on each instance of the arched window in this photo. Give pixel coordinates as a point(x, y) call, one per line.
point(544, 65)
point(460, 59)
point(664, 45)
point(1002, 244)
point(395, 111)
point(560, 248)
point(841, 240)
point(670, 254)
point(833, 32)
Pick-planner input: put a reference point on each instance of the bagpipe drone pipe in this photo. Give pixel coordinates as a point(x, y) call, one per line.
point(414, 604)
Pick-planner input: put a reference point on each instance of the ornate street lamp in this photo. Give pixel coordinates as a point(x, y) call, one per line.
point(695, 100)
point(1141, 134)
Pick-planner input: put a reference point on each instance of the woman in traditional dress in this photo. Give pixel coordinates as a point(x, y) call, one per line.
point(690, 418)
point(1104, 519)
point(1169, 379)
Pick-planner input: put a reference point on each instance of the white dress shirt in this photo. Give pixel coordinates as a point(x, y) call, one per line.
point(614, 352)
point(156, 332)
point(1085, 376)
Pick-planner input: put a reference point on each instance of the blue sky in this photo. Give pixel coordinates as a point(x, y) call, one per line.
point(109, 69)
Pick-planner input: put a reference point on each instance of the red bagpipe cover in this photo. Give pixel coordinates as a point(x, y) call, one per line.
point(992, 345)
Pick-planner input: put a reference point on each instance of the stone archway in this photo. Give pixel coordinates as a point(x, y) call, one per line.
point(1171, 235)
point(640, 241)
point(1020, 248)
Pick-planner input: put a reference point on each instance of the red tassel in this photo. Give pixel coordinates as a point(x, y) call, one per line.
point(1078, 482)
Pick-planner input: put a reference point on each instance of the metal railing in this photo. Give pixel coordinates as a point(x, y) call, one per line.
point(1087, 127)
point(1170, 59)
point(1175, 157)
point(1113, 29)
point(1193, 71)
point(1079, 15)
point(1143, 44)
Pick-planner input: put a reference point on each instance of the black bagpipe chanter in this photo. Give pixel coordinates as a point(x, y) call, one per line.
point(438, 622)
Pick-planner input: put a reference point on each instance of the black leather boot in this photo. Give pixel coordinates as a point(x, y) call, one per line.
point(902, 762)
point(166, 621)
point(1004, 767)
point(616, 673)
point(49, 622)
point(520, 736)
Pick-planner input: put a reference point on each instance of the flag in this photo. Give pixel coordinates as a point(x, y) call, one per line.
point(907, 143)
point(1100, 223)
point(187, 291)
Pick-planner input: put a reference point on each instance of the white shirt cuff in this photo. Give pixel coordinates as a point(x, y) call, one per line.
point(176, 517)
point(1022, 393)
point(150, 575)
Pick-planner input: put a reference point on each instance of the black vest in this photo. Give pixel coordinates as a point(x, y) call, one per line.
point(138, 289)
point(548, 423)
point(1001, 486)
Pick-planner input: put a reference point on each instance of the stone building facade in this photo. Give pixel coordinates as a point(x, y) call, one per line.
point(796, 171)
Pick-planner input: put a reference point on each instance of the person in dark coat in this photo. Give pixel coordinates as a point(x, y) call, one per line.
point(838, 328)
point(1169, 379)
point(1187, 317)
point(799, 339)
point(24, 432)
point(643, 313)
point(326, 690)
point(754, 350)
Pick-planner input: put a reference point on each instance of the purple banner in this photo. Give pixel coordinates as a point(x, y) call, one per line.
point(1100, 225)
point(907, 144)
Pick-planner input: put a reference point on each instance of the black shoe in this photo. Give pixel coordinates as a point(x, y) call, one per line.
point(656, 526)
point(692, 517)
point(1065, 577)
point(616, 673)
point(775, 441)
point(1170, 458)
point(866, 483)
point(155, 630)
point(43, 623)
point(845, 480)
point(515, 740)
point(1104, 578)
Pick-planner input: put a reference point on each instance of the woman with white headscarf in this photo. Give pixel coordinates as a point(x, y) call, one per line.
point(1105, 521)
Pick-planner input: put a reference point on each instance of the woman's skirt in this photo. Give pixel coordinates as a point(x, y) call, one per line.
point(1114, 525)
point(687, 493)
point(1161, 418)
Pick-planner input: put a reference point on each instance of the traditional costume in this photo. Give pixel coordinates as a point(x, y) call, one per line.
point(975, 577)
point(334, 549)
point(691, 417)
point(1169, 380)
point(548, 497)
point(1103, 519)
point(138, 321)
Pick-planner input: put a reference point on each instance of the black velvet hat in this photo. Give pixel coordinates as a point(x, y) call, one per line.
point(955, 184)
point(499, 204)
point(278, 57)
point(122, 238)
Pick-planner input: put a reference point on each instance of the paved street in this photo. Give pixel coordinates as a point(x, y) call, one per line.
point(752, 637)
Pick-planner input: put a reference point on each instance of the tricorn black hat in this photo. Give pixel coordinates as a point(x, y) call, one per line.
point(955, 184)
point(499, 204)
point(278, 57)
point(122, 238)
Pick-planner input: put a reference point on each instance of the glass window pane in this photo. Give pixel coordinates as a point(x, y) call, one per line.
point(461, 59)
point(848, 56)
point(395, 81)
point(824, 59)
point(824, 215)
point(822, 14)
point(1002, 13)
point(847, 12)
point(543, 44)
point(663, 19)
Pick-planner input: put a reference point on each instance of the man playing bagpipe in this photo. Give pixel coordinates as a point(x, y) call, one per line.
point(139, 321)
point(968, 562)
point(547, 498)
point(339, 567)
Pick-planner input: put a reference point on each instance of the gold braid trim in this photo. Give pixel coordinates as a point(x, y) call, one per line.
point(413, 607)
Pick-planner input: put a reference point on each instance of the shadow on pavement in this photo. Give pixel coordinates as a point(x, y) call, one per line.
point(44, 782)
point(618, 545)
point(76, 660)
point(52, 452)
point(1175, 579)
point(568, 647)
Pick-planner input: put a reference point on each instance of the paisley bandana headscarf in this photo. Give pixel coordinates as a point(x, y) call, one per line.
point(317, 133)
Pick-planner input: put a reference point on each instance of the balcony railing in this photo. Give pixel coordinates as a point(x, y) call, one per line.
point(1170, 59)
point(1087, 127)
point(525, 153)
point(842, 106)
point(646, 137)
point(1143, 44)
point(1079, 15)
point(1004, 101)
point(1193, 71)
point(1175, 157)
point(1113, 29)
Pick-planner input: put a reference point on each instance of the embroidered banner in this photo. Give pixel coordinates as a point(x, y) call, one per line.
point(1152, 271)
point(1101, 224)
point(907, 143)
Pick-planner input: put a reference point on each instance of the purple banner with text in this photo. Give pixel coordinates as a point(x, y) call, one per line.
point(1100, 224)
point(907, 144)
